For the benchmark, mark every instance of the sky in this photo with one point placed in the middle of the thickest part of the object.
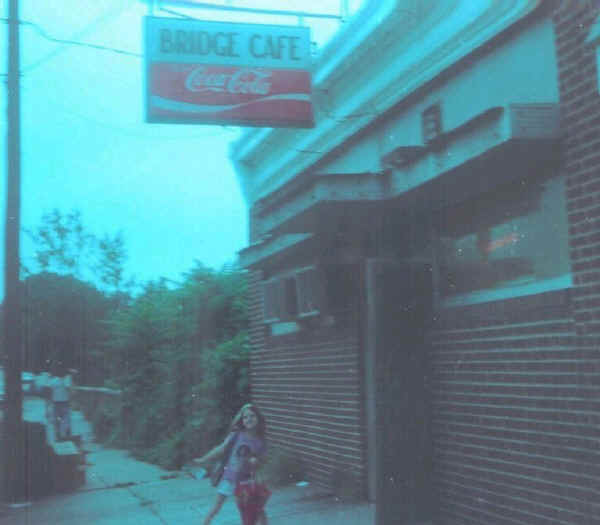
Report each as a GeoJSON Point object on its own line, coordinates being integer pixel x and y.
{"type": "Point", "coordinates": [170, 189]}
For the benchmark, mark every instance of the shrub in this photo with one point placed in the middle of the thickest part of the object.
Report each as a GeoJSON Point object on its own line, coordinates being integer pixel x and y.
{"type": "Point", "coordinates": [105, 423]}
{"type": "Point", "coordinates": [181, 358]}
{"type": "Point", "coordinates": [167, 453]}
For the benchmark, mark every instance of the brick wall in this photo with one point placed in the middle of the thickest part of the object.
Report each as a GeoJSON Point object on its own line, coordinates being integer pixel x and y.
{"type": "Point", "coordinates": [516, 407]}
{"type": "Point", "coordinates": [308, 384]}
{"type": "Point", "coordinates": [309, 387]}
{"type": "Point", "coordinates": [255, 311]}
{"type": "Point", "coordinates": [580, 110]}
{"type": "Point", "coordinates": [515, 433]}
{"type": "Point", "coordinates": [516, 384]}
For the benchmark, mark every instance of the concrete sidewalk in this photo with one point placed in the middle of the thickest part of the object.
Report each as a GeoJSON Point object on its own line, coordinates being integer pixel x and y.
{"type": "Point", "coordinates": [122, 490]}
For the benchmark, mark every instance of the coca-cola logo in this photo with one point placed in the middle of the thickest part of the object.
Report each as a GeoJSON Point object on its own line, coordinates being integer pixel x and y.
{"type": "Point", "coordinates": [243, 81]}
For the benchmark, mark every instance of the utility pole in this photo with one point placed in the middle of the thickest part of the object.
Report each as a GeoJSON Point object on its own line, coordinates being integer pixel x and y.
{"type": "Point", "coordinates": [14, 479]}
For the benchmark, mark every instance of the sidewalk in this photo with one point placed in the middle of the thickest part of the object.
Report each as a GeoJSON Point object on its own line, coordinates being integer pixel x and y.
{"type": "Point", "coordinates": [122, 490]}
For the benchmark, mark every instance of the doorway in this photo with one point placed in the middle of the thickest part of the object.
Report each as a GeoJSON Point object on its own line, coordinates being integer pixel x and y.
{"type": "Point", "coordinates": [399, 299]}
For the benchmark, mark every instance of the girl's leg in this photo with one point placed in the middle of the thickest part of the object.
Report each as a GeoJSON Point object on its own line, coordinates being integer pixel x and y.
{"type": "Point", "coordinates": [262, 519]}
{"type": "Point", "coordinates": [216, 508]}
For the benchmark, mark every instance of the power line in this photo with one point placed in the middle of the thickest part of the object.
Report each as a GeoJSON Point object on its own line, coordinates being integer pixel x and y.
{"type": "Point", "coordinates": [78, 43]}
{"type": "Point", "coordinates": [133, 134]}
{"type": "Point", "coordinates": [181, 15]}
{"type": "Point", "coordinates": [88, 29]}
{"type": "Point", "coordinates": [254, 10]}
{"type": "Point", "coordinates": [75, 42]}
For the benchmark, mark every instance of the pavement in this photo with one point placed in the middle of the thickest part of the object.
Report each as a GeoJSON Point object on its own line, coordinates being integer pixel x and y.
{"type": "Point", "coordinates": [122, 490]}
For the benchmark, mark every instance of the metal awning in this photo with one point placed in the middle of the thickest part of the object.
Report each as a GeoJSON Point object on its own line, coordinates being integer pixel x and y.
{"type": "Point", "coordinates": [490, 149]}
{"type": "Point", "coordinates": [275, 249]}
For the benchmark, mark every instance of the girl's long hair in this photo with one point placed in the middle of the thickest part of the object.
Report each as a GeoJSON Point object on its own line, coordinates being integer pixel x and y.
{"type": "Point", "coordinates": [238, 424]}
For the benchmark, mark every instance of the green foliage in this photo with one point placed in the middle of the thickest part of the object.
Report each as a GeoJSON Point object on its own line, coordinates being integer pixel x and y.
{"type": "Point", "coordinates": [283, 468]}
{"type": "Point", "coordinates": [61, 241]}
{"type": "Point", "coordinates": [63, 245]}
{"type": "Point", "coordinates": [111, 256]}
{"type": "Point", "coordinates": [62, 316]}
{"type": "Point", "coordinates": [63, 312]}
{"type": "Point", "coordinates": [178, 351]}
{"type": "Point", "coordinates": [180, 357]}
{"type": "Point", "coordinates": [104, 423]}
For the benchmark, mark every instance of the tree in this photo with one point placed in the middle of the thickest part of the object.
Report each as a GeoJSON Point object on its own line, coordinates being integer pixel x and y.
{"type": "Point", "coordinates": [111, 257]}
{"type": "Point", "coordinates": [64, 246]}
{"type": "Point", "coordinates": [180, 357]}
{"type": "Point", "coordinates": [74, 284]}
{"type": "Point", "coordinates": [63, 324]}
{"type": "Point", "coordinates": [61, 244]}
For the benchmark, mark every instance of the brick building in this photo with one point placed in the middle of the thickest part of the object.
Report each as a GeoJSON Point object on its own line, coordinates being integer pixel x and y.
{"type": "Point", "coordinates": [426, 263]}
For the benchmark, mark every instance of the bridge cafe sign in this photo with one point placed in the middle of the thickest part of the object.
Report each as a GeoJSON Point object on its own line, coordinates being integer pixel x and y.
{"type": "Point", "coordinates": [223, 73]}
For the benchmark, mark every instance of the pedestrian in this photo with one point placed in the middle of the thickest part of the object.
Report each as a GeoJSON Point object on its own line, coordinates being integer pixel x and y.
{"type": "Point", "coordinates": [40, 384]}
{"type": "Point", "coordinates": [61, 411]}
{"type": "Point", "coordinates": [246, 444]}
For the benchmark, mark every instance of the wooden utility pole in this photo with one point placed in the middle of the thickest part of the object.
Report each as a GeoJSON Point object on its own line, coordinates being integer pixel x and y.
{"type": "Point", "coordinates": [14, 480]}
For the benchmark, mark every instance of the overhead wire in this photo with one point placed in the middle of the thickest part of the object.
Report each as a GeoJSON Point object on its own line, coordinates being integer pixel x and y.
{"type": "Point", "coordinates": [106, 16]}
{"type": "Point", "coordinates": [78, 43]}
{"type": "Point", "coordinates": [133, 134]}
{"type": "Point", "coordinates": [326, 113]}
{"type": "Point", "coordinates": [63, 41]}
{"type": "Point", "coordinates": [91, 120]}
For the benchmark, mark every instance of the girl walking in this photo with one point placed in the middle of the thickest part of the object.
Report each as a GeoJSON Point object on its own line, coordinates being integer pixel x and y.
{"type": "Point", "coordinates": [246, 440]}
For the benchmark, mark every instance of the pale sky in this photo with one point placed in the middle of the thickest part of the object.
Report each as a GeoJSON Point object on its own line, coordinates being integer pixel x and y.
{"type": "Point", "coordinates": [170, 189]}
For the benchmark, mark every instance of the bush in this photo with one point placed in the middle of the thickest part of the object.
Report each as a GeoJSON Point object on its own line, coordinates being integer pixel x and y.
{"type": "Point", "coordinates": [104, 423]}
{"type": "Point", "coordinates": [167, 453]}
{"type": "Point", "coordinates": [181, 358]}
{"type": "Point", "coordinates": [283, 468]}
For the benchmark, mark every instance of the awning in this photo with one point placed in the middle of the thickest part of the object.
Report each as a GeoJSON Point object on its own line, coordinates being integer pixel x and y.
{"type": "Point", "coordinates": [493, 148]}
{"type": "Point", "coordinates": [274, 250]}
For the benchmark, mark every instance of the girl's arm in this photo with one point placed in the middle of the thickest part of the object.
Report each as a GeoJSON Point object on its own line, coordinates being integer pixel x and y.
{"type": "Point", "coordinates": [215, 453]}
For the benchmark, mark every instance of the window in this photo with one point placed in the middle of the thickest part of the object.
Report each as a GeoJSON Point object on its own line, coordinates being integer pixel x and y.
{"type": "Point", "coordinates": [290, 298]}
{"type": "Point", "coordinates": [515, 236]}
{"type": "Point", "coordinates": [309, 292]}
{"type": "Point", "coordinates": [303, 293]}
{"type": "Point", "coordinates": [271, 300]}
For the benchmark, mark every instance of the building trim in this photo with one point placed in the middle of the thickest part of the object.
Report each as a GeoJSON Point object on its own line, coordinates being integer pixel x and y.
{"type": "Point", "coordinates": [267, 159]}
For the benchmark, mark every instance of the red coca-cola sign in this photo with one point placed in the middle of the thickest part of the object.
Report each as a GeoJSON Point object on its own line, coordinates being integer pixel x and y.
{"type": "Point", "coordinates": [226, 94]}
{"type": "Point", "coordinates": [221, 73]}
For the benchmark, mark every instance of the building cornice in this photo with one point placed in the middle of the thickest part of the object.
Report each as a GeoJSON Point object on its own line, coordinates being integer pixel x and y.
{"type": "Point", "coordinates": [389, 50]}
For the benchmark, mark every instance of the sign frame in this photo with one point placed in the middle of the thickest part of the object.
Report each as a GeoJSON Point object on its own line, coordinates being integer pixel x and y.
{"type": "Point", "coordinates": [222, 73]}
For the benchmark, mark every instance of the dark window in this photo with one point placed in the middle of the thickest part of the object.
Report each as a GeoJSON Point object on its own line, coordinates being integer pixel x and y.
{"type": "Point", "coordinates": [290, 298]}
{"type": "Point", "coordinates": [309, 292]}
{"type": "Point", "coordinates": [512, 236]}
{"type": "Point", "coordinates": [271, 300]}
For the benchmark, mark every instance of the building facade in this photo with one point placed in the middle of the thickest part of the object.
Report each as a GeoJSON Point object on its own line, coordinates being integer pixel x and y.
{"type": "Point", "coordinates": [425, 264]}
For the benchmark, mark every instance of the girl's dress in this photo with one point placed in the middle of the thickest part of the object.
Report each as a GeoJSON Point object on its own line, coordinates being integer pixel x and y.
{"type": "Point", "coordinates": [238, 468]}
{"type": "Point", "coordinates": [250, 496]}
